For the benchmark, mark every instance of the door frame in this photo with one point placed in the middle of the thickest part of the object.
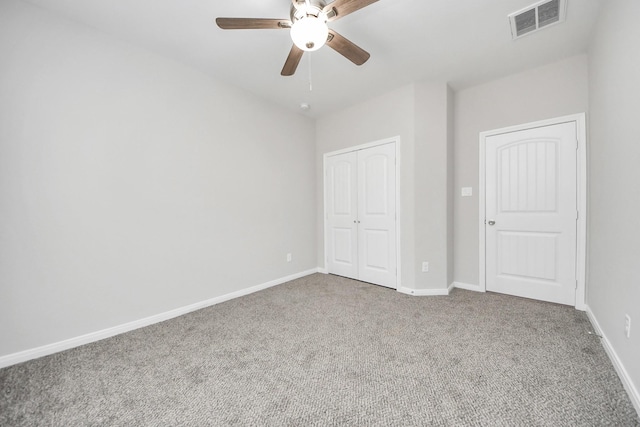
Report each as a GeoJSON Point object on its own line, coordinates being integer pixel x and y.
{"type": "Point", "coordinates": [396, 140]}
{"type": "Point", "coordinates": [581, 193]}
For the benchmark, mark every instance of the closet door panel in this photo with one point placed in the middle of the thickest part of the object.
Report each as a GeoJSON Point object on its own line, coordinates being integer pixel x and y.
{"type": "Point", "coordinates": [377, 215]}
{"type": "Point", "coordinates": [341, 210]}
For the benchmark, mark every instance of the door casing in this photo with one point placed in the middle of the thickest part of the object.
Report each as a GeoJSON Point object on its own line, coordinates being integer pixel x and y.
{"type": "Point", "coordinates": [581, 180]}
{"type": "Point", "coordinates": [395, 140]}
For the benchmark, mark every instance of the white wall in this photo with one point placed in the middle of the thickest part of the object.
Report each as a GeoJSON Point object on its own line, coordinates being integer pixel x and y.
{"type": "Point", "coordinates": [131, 185]}
{"type": "Point", "coordinates": [389, 115]}
{"type": "Point", "coordinates": [418, 114]}
{"type": "Point", "coordinates": [433, 146]}
{"type": "Point", "coordinates": [613, 280]}
{"type": "Point", "coordinates": [450, 182]}
{"type": "Point", "coordinates": [549, 91]}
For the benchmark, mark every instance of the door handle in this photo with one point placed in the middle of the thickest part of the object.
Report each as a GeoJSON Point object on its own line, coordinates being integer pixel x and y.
{"type": "Point", "coordinates": [491, 222]}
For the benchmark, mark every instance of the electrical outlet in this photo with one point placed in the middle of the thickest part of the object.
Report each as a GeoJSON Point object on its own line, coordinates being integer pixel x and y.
{"type": "Point", "coordinates": [627, 325]}
{"type": "Point", "coordinates": [425, 266]}
{"type": "Point", "coordinates": [288, 257]}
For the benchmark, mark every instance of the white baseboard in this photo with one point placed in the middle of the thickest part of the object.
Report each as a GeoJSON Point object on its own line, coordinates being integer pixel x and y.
{"type": "Point", "coordinates": [45, 350]}
{"type": "Point", "coordinates": [631, 389]}
{"type": "Point", "coordinates": [468, 287]}
{"type": "Point", "coordinates": [424, 292]}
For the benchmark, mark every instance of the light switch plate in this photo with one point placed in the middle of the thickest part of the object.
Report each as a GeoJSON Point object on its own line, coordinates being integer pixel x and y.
{"type": "Point", "coordinates": [467, 191]}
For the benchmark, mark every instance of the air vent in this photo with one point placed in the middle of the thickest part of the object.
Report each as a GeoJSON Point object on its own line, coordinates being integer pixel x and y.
{"type": "Point", "coordinates": [537, 16]}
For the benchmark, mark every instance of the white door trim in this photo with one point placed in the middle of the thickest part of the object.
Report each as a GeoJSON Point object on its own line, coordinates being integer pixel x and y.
{"type": "Point", "coordinates": [395, 140]}
{"type": "Point", "coordinates": [581, 235]}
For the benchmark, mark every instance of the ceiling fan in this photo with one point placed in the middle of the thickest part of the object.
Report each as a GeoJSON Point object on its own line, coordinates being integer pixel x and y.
{"type": "Point", "coordinates": [309, 29]}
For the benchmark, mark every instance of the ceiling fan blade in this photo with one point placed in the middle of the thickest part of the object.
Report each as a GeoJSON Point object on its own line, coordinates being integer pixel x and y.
{"type": "Point", "coordinates": [292, 61]}
{"type": "Point", "coordinates": [341, 8]}
{"type": "Point", "coordinates": [347, 49]}
{"type": "Point", "coordinates": [252, 24]}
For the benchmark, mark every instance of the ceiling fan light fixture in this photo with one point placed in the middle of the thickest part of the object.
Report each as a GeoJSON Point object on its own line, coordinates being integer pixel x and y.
{"type": "Point", "coordinates": [309, 33]}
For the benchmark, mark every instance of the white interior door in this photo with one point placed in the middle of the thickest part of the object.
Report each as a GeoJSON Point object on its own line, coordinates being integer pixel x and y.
{"type": "Point", "coordinates": [531, 213]}
{"type": "Point", "coordinates": [377, 215]}
{"type": "Point", "coordinates": [342, 214]}
{"type": "Point", "coordinates": [361, 215]}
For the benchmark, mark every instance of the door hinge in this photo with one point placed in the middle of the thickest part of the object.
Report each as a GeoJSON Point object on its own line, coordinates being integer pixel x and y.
{"type": "Point", "coordinates": [577, 144]}
{"type": "Point", "coordinates": [577, 215]}
{"type": "Point", "coordinates": [576, 284]}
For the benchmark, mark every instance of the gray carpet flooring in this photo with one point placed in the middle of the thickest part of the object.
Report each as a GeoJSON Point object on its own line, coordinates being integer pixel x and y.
{"type": "Point", "coordinates": [328, 351]}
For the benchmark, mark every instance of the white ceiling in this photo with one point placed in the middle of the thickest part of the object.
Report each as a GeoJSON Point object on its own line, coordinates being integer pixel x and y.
{"type": "Point", "coordinates": [463, 42]}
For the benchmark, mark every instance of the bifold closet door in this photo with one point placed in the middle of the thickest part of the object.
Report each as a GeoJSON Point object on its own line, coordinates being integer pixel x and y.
{"type": "Point", "coordinates": [361, 215]}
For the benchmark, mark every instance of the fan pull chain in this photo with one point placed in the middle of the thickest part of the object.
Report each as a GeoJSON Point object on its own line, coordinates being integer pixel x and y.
{"type": "Point", "coordinates": [310, 79]}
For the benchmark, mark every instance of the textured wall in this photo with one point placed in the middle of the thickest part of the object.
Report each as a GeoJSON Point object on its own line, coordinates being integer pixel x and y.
{"type": "Point", "coordinates": [389, 115]}
{"type": "Point", "coordinates": [549, 91]}
{"type": "Point", "coordinates": [131, 185]}
{"type": "Point", "coordinates": [431, 157]}
{"type": "Point", "coordinates": [613, 277]}
{"type": "Point", "coordinates": [418, 113]}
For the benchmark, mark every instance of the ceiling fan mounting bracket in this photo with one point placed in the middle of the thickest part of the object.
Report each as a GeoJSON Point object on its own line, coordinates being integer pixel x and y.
{"type": "Point", "coordinates": [300, 9]}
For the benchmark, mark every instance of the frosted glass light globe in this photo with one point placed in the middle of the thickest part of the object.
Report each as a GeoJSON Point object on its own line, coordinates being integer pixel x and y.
{"type": "Point", "coordinates": [309, 33]}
